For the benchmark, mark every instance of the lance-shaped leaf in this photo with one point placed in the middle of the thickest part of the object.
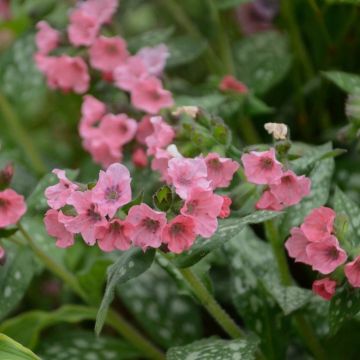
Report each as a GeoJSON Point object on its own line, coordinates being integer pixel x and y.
{"type": "Point", "coordinates": [12, 350]}
{"type": "Point", "coordinates": [345, 81]}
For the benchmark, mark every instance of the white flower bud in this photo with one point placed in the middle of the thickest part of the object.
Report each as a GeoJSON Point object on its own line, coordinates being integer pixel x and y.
{"type": "Point", "coordinates": [192, 111]}
{"type": "Point", "coordinates": [278, 131]}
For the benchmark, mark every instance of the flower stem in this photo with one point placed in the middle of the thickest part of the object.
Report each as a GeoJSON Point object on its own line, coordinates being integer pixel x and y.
{"type": "Point", "coordinates": [21, 136]}
{"type": "Point", "coordinates": [303, 326]}
{"type": "Point", "coordinates": [114, 319]}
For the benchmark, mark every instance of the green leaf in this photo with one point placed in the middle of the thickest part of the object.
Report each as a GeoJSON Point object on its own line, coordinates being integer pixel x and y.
{"type": "Point", "coordinates": [163, 198]}
{"type": "Point", "coordinates": [5, 233]}
{"type": "Point", "coordinates": [343, 306]}
{"type": "Point", "coordinates": [227, 229]}
{"type": "Point", "coordinates": [206, 349]}
{"type": "Point", "coordinates": [351, 2]}
{"type": "Point", "coordinates": [84, 345]}
{"type": "Point", "coordinates": [345, 81]}
{"type": "Point", "coordinates": [254, 106]}
{"type": "Point", "coordinates": [11, 350]}
{"type": "Point", "coordinates": [208, 102]}
{"type": "Point", "coordinates": [15, 277]}
{"type": "Point", "coordinates": [169, 318]}
{"type": "Point", "coordinates": [184, 50]}
{"type": "Point", "coordinates": [129, 265]}
{"type": "Point", "coordinates": [262, 60]}
{"type": "Point", "coordinates": [227, 4]}
{"type": "Point", "coordinates": [344, 204]}
{"type": "Point", "coordinates": [320, 176]}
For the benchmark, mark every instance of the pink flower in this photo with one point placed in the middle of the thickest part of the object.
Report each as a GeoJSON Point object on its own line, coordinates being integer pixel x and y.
{"type": "Point", "coordinates": [230, 83]}
{"type": "Point", "coordinates": [291, 188]}
{"type": "Point", "coordinates": [83, 28]}
{"type": "Point", "coordinates": [103, 153]}
{"type": "Point", "coordinates": [225, 208]}
{"type": "Point", "coordinates": [319, 223]}
{"type": "Point", "coordinates": [117, 130]}
{"type": "Point", "coordinates": [12, 207]}
{"type": "Point", "coordinates": [145, 128]}
{"type": "Point", "coordinates": [268, 201]}
{"type": "Point", "coordinates": [296, 246]}
{"type": "Point", "coordinates": [185, 174]}
{"type": "Point", "coordinates": [325, 256]}
{"type": "Point", "coordinates": [147, 226]}
{"type": "Point", "coordinates": [112, 189]}
{"type": "Point", "coordinates": [203, 206]}
{"type": "Point", "coordinates": [325, 288]}
{"type": "Point", "coordinates": [139, 158]}
{"type": "Point", "coordinates": [102, 10]}
{"type": "Point", "coordinates": [47, 38]}
{"type": "Point", "coordinates": [65, 72]}
{"type": "Point", "coordinates": [92, 111]}
{"type": "Point", "coordinates": [160, 163]}
{"type": "Point", "coordinates": [112, 236]}
{"type": "Point", "coordinates": [58, 194]}
{"type": "Point", "coordinates": [55, 228]}
{"type": "Point", "coordinates": [154, 58]}
{"type": "Point", "coordinates": [128, 74]}
{"type": "Point", "coordinates": [106, 53]}
{"type": "Point", "coordinates": [88, 216]}
{"type": "Point", "coordinates": [220, 170]}
{"type": "Point", "coordinates": [179, 234]}
{"type": "Point", "coordinates": [262, 167]}
{"type": "Point", "coordinates": [352, 272]}
{"type": "Point", "coordinates": [161, 137]}
{"type": "Point", "coordinates": [149, 95]}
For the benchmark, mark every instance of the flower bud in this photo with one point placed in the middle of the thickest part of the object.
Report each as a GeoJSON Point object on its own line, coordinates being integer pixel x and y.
{"type": "Point", "coordinates": [278, 130]}
{"type": "Point", "coordinates": [191, 111]}
{"type": "Point", "coordinates": [6, 175]}
{"type": "Point", "coordinates": [2, 256]}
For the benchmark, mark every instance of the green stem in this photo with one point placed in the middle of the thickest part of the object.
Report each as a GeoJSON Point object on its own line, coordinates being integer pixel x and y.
{"type": "Point", "coordinates": [211, 305]}
{"type": "Point", "coordinates": [21, 136]}
{"type": "Point", "coordinates": [304, 328]}
{"type": "Point", "coordinates": [114, 319]}
{"type": "Point", "coordinates": [249, 132]}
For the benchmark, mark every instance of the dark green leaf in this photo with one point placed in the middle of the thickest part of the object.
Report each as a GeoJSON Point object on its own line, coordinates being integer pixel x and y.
{"type": "Point", "coordinates": [345, 81]}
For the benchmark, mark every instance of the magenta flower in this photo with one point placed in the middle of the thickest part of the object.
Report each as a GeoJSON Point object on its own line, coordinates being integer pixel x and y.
{"type": "Point", "coordinates": [58, 194]}
{"type": "Point", "coordinates": [319, 223]}
{"type": "Point", "coordinates": [154, 58]}
{"type": "Point", "coordinates": [88, 216]}
{"type": "Point", "coordinates": [106, 53]}
{"type": "Point", "coordinates": [112, 236]}
{"type": "Point", "coordinates": [220, 171]}
{"type": "Point", "coordinates": [325, 288]}
{"type": "Point", "coordinates": [47, 38]}
{"type": "Point", "coordinates": [112, 189]}
{"type": "Point", "coordinates": [12, 207]}
{"type": "Point", "coordinates": [55, 228]}
{"type": "Point", "coordinates": [326, 255]}
{"type": "Point", "coordinates": [185, 174]}
{"type": "Point", "coordinates": [146, 226]}
{"type": "Point", "coordinates": [225, 208]}
{"type": "Point", "coordinates": [161, 137]}
{"type": "Point", "coordinates": [262, 167]}
{"type": "Point", "coordinates": [230, 83]}
{"type": "Point", "coordinates": [179, 234]}
{"type": "Point", "coordinates": [203, 206]}
{"type": "Point", "coordinates": [268, 201]}
{"type": "Point", "coordinates": [296, 246]}
{"type": "Point", "coordinates": [352, 272]}
{"type": "Point", "coordinates": [291, 188]}
{"type": "Point", "coordinates": [149, 95]}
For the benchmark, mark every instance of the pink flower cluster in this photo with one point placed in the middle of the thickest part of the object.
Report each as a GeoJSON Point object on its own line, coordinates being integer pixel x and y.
{"type": "Point", "coordinates": [94, 212]}
{"type": "Point", "coordinates": [284, 187]}
{"type": "Point", "coordinates": [138, 74]}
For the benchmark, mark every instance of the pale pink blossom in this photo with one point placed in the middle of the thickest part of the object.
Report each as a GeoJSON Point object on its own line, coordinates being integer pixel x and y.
{"type": "Point", "coordinates": [268, 201]}
{"type": "Point", "coordinates": [220, 171]}
{"type": "Point", "coordinates": [179, 234]}
{"type": "Point", "coordinates": [326, 255]}
{"type": "Point", "coordinates": [325, 288]}
{"type": "Point", "coordinates": [230, 83]}
{"type": "Point", "coordinates": [203, 206]}
{"type": "Point", "coordinates": [291, 189]}
{"type": "Point", "coordinates": [161, 137]}
{"type": "Point", "coordinates": [12, 207]}
{"type": "Point", "coordinates": [128, 74]}
{"type": "Point", "coordinates": [154, 58]}
{"type": "Point", "coordinates": [145, 128]}
{"type": "Point", "coordinates": [352, 272]}
{"type": "Point", "coordinates": [186, 173]}
{"type": "Point", "coordinates": [58, 194]}
{"type": "Point", "coordinates": [296, 246]}
{"type": "Point", "coordinates": [262, 167]}
{"type": "Point", "coordinates": [160, 163]}
{"type": "Point", "coordinates": [149, 95]}
{"type": "Point", "coordinates": [106, 53]}
{"type": "Point", "coordinates": [319, 223]}
{"type": "Point", "coordinates": [88, 216]}
{"type": "Point", "coordinates": [102, 10]}
{"type": "Point", "coordinates": [55, 228]}
{"type": "Point", "coordinates": [113, 236]}
{"type": "Point", "coordinates": [112, 189]}
{"type": "Point", "coordinates": [139, 158]}
{"type": "Point", "coordinates": [146, 226]}
{"type": "Point", "coordinates": [92, 111]}
{"type": "Point", "coordinates": [102, 153]}
{"type": "Point", "coordinates": [47, 38]}
{"type": "Point", "coordinates": [225, 208]}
